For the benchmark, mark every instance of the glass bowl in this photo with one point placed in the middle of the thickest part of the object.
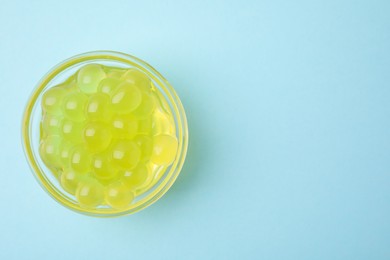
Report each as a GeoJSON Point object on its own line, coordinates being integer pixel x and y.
{"type": "Point", "coordinates": [33, 115]}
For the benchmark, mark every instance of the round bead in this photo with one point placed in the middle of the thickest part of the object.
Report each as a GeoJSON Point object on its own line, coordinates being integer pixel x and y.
{"type": "Point", "coordinates": [162, 124]}
{"type": "Point", "coordinates": [145, 143]}
{"type": "Point", "coordinates": [125, 98]}
{"type": "Point", "coordinates": [135, 178]}
{"type": "Point", "coordinates": [98, 107]}
{"type": "Point", "coordinates": [69, 181]}
{"type": "Point", "coordinates": [102, 167]}
{"type": "Point", "coordinates": [49, 150]}
{"type": "Point", "coordinates": [97, 136]}
{"type": "Point", "coordinates": [126, 154]}
{"type": "Point", "coordinates": [146, 108]}
{"type": "Point", "coordinates": [145, 126]}
{"type": "Point", "coordinates": [72, 131]}
{"type": "Point", "coordinates": [108, 85]}
{"type": "Point", "coordinates": [164, 149]}
{"type": "Point", "coordinates": [90, 193]}
{"type": "Point", "coordinates": [74, 105]}
{"type": "Point", "coordinates": [138, 78]}
{"type": "Point", "coordinates": [124, 126]}
{"type": "Point", "coordinates": [115, 73]}
{"type": "Point", "coordinates": [80, 160]}
{"type": "Point", "coordinates": [52, 100]}
{"type": "Point", "coordinates": [51, 124]}
{"type": "Point", "coordinates": [118, 196]}
{"type": "Point", "coordinates": [89, 77]}
{"type": "Point", "coordinates": [64, 153]}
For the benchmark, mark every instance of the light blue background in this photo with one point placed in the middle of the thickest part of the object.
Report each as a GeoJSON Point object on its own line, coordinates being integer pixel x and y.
{"type": "Point", "coordinates": [289, 118]}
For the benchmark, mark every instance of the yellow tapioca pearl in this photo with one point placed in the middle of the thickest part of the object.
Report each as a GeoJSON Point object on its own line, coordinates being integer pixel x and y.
{"type": "Point", "coordinates": [51, 124]}
{"type": "Point", "coordinates": [138, 78]}
{"type": "Point", "coordinates": [90, 193]}
{"type": "Point", "coordinates": [70, 180]}
{"type": "Point", "coordinates": [97, 136]}
{"type": "Point", "coordinates": [52, 100]}
{"type": "Point", "coordinates": [74, 106]}
{"type": "Point", "coordinates": [102, 167]}
{"type": "Point", "coordinates": [126, 154]}
{"type": "Point", "coordinates": [125, 98]}
{"type": "Point", "coordinates": [64, 153]}
{"type": "Point", "coordinates": [72, 131]}
{"type": "Point", "coordinates": [135, 178]}
{"type": "Point", "coordinates": [49, 150]}
{"type": "Point", "coordinates": [124, 126]}
{"type": "Point", "coordinates": [115, 73]}
{"type": "Point", "coordinates": [80, 160]}
{"type": "Point", "coordinates": [145, 143]}
{"type": "Point", "coordinates": [147, 106]}
{"type": "Point", "coordinates": [89, 77]}
{"type": "Point", "coordinates": [118, 195]}
{"type": "Point", "coordinates": [108, 85]}
{"type": "Point", "coordinates": [164, 149]}
{"type": "Point", "coordinates": [162, 123]}
{"type": "Point", "coordinates": [98, 107]}
{"type": "Point", "coordinates": [145, 126]}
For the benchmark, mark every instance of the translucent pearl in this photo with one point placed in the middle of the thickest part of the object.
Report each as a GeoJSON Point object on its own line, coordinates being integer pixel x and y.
{"type": "Point", "coordinates": [164, 149]}
{"type": "Point", "coordinates": [80, 160]}
{"type": "Point", "coordinates": [145, 126]}
{"type": "Point", "coordinates": [119, 196]}
{"type": "Point", "coordinates": [74, 106]}
{"type": "Point", "coordinates": [72, 131]}
{"type": "Point", "coordinates": [70, 180]}
{"type": "Point", "coordinates": [115, 73]}
{"type": "Point", "coordinates": [162, 124]}
{"type": "Point", "coordinates": [103, 168]}
{"type": "Point", "coordinates": [89, 77]}
{"type": "Point", "coordinates": [64, 153]}
{"type": "Point", "coordinates": [108, 85]}
{"type": "Point", "coordinates": [49, 150]}
{"type": "Point", "coordinates": [124, 126]}
{"type": "Point", "coordinates": [90, 193]}
{"type": "Point", "coordinates": [145, 143]}
{"type": "Point", "coordinates": [138, 78]}
{"type": "Point", "coordinates": [125, 98]}
{"type": "Point", "coordinates": [97, 136]}
{"type": "Point", "coordinates": [146, 108]}
{"type": "Point", "coordinates": [52, 100]}
{"type": "Point", "coordinates": [98, 108]}
{"type": "Point", "coordinates": [135, 178]}
{"type": "Point", "coordinates": [51, 124]}
{"type": "Point", "coordinates": [126, 154]}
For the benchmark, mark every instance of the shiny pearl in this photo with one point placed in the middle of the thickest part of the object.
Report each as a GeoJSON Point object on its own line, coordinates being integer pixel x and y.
{"type": "Point", "coordinates": [98, 108]}
{"type": "Point", "coordinates": [97, 136]}
{"type": "Point", "coordinates": [164, 149]}
{"type": "Point", "coordinates": [135, 178]}
{"type": "Point", "coordinates": [52, 100]}
{"type": "Point", "coordinates": [119, 196]}
{"type": "Point", "coordinates": [108, 85]}
{"type": "Point", "coordinates": [90, 193]}
{"type": "Point", "coordinates": [80, 160]}
{"type": "Point", "coordinates": [89, 77]}
{"type": "Point", "coordinates": [74, 106]}
{"type": "Point", "coordinates": [126, 154]}
{"type": "Point", "coordinates": [126, 98]}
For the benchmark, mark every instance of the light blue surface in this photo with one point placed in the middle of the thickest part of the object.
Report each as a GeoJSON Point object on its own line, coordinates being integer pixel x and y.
{"type": "Point", "coordinates": [289, 118]}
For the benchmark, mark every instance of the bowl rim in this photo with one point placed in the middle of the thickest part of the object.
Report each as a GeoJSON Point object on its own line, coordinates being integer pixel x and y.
{"type": "Point", "coordinates": [177, 111]}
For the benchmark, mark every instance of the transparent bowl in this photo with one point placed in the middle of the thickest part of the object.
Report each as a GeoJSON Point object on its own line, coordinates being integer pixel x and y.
{"type": "Point", "coordinates": [33, 115]}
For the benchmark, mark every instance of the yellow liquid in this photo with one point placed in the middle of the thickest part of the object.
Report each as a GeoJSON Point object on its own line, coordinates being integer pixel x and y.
{"type": "Point", "coordinates": [107, 134]}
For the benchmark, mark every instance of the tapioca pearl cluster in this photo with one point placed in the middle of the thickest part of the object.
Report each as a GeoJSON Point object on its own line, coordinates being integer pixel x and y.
{"type": "Point", "coordinates": [102, 130]}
